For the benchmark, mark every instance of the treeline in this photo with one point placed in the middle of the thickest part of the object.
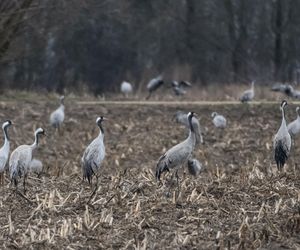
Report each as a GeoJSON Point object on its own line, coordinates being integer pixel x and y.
{"type": "Point", "coordinates": [94, 45]}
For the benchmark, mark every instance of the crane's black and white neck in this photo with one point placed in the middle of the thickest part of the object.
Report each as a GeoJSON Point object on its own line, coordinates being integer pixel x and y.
{"type": "Point", "coordinates": [5, 126]}
{"type": "Point", "coordinates": [99, 121]}
{"type": "Point", "coordinates": [190, 116]}
{"type": "Point", "coordinates": [62, 100]}
{"type": "Point", "coordinates": [37, 134]}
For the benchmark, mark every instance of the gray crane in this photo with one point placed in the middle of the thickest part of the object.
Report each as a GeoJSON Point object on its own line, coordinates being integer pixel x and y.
{"type": "Point", "coordinates": [20, 158]}
{"type": "Point", "coordinates": [57, 117]}
{"type": "Point", "coordinates": [94, 154]}
{"type": "Point", "coordinates": [282, 141]}
{"type": "Point", "coordinates": [36, 166]}
{"type": "Point", "coordinates": [153, 85]}
{"type": "Point", "coordinates": [179, 88]}
{"type": "Point", "coordinates": [126, 88]}
{"type": "Point", "coordinates": [4, 150]}
{"type": "Point", "coordinates": [294, 126]}
{"type": "Point", "coordinates": [179, 154]}
{"type": "Point", "coordinates": [182, 118]}
{"type": "Point", "coordinates": [286, 89]}
{"type": "Point", "coordinates": [219, 120]}
{"type": "Point", "coordinates": [248, 95]}
{"type": "Point", "coordinates": [194, 166]}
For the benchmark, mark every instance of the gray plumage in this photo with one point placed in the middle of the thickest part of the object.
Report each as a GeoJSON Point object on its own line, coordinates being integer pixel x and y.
{"type": "Point", "coordinates": [126, 88]}
{"type": "Point", "coordinates": [179, 91]}
{"type": "Point", "coordinates": [219, 120]}
{"type": "Point", "coordinates": [179, 154]}
{"type": "Point", "coordinates": [296, 94]}
{"type": "Point", "coordinates": [20, 158]}
{"type": "Point", "coordinates": [279, 87]}
{"type": "Point", "coordinates": [4, 151]}
{"type": "Point", "coordinates": [294, 126]}
{"type": "Point", "coordinates": [182, 118]}
{"type": "Point", "coordinates": [57, 117]}
{"type": "Point", "coordinates": [194, 167]}
{"type": "Point", "coordinates": [179, 88]}
{"type": "Point", "coordinates": [282, 141]}
{"type": "Point", "coordinates": [36, 166]}
{"type": "Point", "coordinates": [286, 89]}
{"type": "Point", "coordinates": [94, 154]}
{"type": "Point", "coordinates": [248, 95]}
{"type": "Point", "coordinates": [153, 85]}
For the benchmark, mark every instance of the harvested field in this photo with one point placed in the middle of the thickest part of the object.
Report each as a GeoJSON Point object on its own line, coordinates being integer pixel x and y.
{"type": "Point", "coordinates": [238, 202]}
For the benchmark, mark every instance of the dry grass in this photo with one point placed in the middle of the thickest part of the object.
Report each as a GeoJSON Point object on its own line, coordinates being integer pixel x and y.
{"type": "Point", "coordinates": [238, 202]}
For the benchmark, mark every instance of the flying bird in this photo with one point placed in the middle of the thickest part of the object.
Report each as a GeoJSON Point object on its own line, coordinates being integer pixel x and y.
{"type": "Point", "coordinates": [179, 88]}
{"type": "Point", "coordinates": [153, 85]}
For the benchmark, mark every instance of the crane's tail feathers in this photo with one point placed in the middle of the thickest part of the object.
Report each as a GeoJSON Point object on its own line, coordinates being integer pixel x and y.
{"type": "Point", "coordinates": [88, 171]}
{"type": "Point", "coordinates": [14, 178]}
{"type": "Point", "coordinates": [199, 138]}
{"type": "Point", "coordinates": [160, 168]}
{"type": "Point", "coordinates": [281, 155]}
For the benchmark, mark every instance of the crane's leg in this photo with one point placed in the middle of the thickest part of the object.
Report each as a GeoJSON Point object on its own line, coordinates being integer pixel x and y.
{"type": "Point", "coordinates": [149, 95]}
{"type": "Point", "coordinates": [97, 182]}
{"type": "Point", "coordinates": [2, 179]}
{"type": "Point", "coordinates": [95, 190]}
{"type": "Point", "coordinates": [24, 183]}
{"type": "Point", "coordinates": [60, 131]}
{"type": "Point", "coordinates": [177, 179]}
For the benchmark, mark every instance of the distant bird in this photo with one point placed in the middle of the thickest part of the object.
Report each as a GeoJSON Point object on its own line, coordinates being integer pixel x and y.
{"type": "Point", "coordinates": [294, 126]}
{"type": "Point", "coordinates": [94, 154]}
{"type": "Point", "coordinates": [126, 88]}
{"type": "Point", "coordinates": [218, 120]}
{"type": "Point", "coordinates": [4, 150]}
{"type": "Point", "coordinates": [296, 94]}
{"type": "Point", "coordinates": [179, 154]}
{"type": "Point", "coordinates": [36, 166]}
{"type": "Point", "coordinates": [194, 166]}
{"type": "Point", "coordinates": [20, 158]}
{"type": "Point", "coordinates": [179, 88]}
{"type": "Point", "coordinates": [279, 87]}
{"type": "Point", "coordinates": [282, 141]}
{"type": "Point", "coordinates": [57, 117]}
{"type": "Point", "coordinates": [182, 118]}
{"type": "Point", "coordinates": [286, 89]}
{"type": "Point", "coordinates": [248, 95]}
{"type": "Point", "coordinates": [153, 85]}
